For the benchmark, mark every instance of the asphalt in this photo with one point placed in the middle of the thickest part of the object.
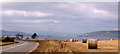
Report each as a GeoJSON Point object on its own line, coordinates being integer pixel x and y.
{"type": "Point", "coordinates": [21, 47]}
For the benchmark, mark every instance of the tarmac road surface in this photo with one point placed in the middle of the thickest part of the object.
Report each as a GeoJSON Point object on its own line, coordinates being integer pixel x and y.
{"type": "Point", "coordinates": [21, 47]}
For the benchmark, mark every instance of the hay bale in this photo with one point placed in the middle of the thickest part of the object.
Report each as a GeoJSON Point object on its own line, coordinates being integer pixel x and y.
{"type": "Point", "coordinates": [65, 40]}
{"type": "Point", "coordinates": [77, 40]}
{"type": "Point", "coordinates": [112, 39]}
{"type": "Point", "coordinates": [71, 40]}
{"type": "Point", "coordinates": [74, 40]}
{"type": "Point", "coordinates": [92, 43]}
{"type": "Point", "coordinates": [84, 40]}
{"type": "Point", "coordinates": [97, 39]}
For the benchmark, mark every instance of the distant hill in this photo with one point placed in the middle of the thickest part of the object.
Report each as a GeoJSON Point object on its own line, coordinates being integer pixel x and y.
{"type": "Point", "coordinates": [41, 33]}
{"type": "Point", "coordinates": [12, 33]}
{"type": "Point", "coordinates": [101, 33]}
{"type": "Point", "coordinates": [49, 34]}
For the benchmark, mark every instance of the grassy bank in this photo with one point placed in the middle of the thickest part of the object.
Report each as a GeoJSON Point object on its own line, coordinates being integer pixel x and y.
{"type": "Point", "coordinates": [51, 46]}
{"type": "Point", "coordinates": [6, 43]}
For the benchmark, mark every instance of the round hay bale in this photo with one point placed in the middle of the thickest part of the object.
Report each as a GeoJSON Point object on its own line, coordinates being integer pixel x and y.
{"type": "Point", "coordinates": [112, 39]}
{"type": "Point", "coordinates": [84, 40]}
{"type": "Point", "coordinates": [92, 43]}
{"type": "Point", "coordinates": [97, 39]}
{"type": "Point", "coordinates": [71, 40]}
{"type": "Point", "coordinates": [65, 40]}
{"type": "Point", "coordinates": [74, 40]}
{"type": "Point", "coordinates": [77, 40]}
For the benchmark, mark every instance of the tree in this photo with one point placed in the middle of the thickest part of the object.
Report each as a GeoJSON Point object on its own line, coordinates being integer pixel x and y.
{"type": "Point", "coordinates": [21, 36]}
{"type": "Point", "coordinates": [34, 36]}
{"type": "Point", "coordinates": [17, 36]}
{"type": "Point", "coordinates": [7, 39]}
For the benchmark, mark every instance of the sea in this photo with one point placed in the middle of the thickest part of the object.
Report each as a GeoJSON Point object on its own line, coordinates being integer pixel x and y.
{"type": "Point", "coordinates": [69, 37]}
{"type": "Point", "coordinates": [77, 38]}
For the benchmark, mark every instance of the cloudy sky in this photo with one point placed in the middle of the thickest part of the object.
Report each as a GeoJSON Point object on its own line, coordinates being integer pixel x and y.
{"type": "Point", "coordinates": [69, 17]}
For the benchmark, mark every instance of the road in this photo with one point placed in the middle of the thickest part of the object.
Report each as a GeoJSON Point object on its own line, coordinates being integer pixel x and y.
{"type": "Point", "coordinates": [22, 46]}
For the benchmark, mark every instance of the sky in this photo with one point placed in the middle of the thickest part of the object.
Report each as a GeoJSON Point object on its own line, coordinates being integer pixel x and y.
{"type": "Point", "coordinates": [67, 17]}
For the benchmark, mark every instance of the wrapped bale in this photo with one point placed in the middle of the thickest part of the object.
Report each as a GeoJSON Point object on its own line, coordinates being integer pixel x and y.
{"type": "Point", "coordinates": [71, 40]}
{"type": "Point", "coordinates": [92, 43]}
{"type": "Point", "coordinates": [84, 40]}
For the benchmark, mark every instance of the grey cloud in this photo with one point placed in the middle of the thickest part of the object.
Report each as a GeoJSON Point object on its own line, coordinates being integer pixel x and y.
{"type": "Point", "coordinates": [72, 17]}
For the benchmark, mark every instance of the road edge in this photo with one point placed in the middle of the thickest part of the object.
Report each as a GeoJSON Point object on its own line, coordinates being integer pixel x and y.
{"type": "Point", "coordinates": [34, 48]}
{"type": "Point", "coordinates": [9, 44]}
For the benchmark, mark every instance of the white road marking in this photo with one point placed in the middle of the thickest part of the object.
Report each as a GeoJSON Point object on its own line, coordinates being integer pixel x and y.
{"type": "Point", "coordinates": [34, 47]}
{"type": "Point", "coordinates": [11, 47]}
{"type": "Point", "coordinates": [8, 46]}
{"type": "Point", "coordinates": [14, 46]}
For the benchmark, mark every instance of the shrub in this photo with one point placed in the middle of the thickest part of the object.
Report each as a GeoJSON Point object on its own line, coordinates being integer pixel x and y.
{"type": "Point", "coordinates": [8, 39]}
